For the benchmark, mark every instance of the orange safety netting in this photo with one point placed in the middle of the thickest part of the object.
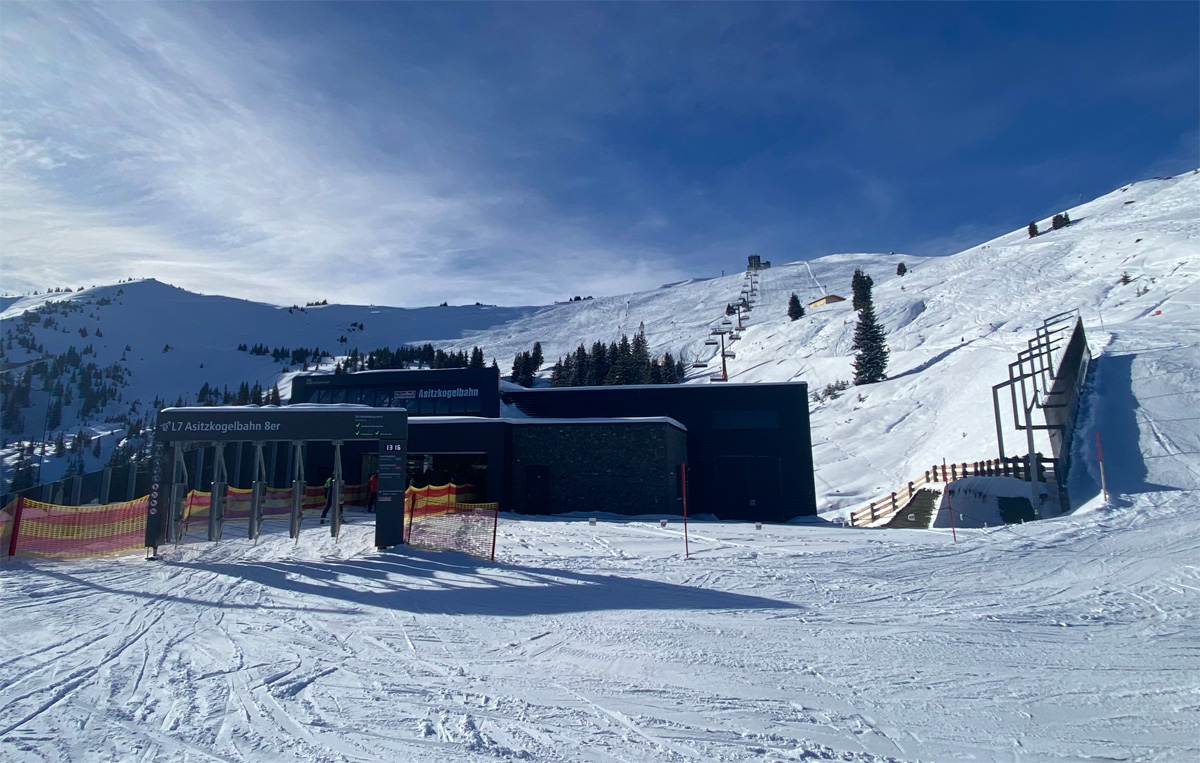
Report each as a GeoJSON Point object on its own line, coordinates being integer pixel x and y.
{"type": "Point", "coordinates": [49, 531]}
{"type": "Point", "coordinates": [437, 520]}
{"type": "Point", "coordinates": [276, 501]}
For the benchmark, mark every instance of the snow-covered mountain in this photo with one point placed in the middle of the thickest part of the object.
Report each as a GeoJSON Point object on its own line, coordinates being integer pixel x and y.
{"type": "Point", "coordinates": [953, 324]}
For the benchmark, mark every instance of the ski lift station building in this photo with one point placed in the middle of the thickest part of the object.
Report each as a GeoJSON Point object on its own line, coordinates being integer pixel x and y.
{"type": "Point", "coordinates": [828, 299]}
{"type": "Point", "coordinates": [747, 447]}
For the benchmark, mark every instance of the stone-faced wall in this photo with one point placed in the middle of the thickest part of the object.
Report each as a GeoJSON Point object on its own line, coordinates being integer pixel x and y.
{"type": "Point", "coordinates": [619, 467]}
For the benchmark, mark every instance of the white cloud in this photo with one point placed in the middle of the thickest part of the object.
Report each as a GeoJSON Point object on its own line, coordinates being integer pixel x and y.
{"type": "Point", "coordinates": [148, 141]}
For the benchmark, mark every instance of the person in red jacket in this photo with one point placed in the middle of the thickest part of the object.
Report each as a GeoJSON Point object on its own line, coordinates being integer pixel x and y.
{"type": "Point", "coordinates": [372, 492]}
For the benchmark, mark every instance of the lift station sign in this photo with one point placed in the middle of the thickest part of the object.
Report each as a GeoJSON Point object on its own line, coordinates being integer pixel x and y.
{"type": "Point", "coordinates": [225, 424]}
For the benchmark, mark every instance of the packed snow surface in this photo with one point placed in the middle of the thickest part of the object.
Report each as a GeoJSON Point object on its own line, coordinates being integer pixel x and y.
{"type": "Point", "coordinates": [1071, 639]}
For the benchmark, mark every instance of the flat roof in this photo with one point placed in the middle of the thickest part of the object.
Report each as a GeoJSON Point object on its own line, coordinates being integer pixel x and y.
{"type": "Point", "coordinates": [723, 385]}
{"type": "Point", "coordinates": [422, 420]}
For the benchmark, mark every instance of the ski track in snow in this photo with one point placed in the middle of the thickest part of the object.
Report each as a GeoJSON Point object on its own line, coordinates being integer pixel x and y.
{"type": "Point", "coordinates": [1067, 639]}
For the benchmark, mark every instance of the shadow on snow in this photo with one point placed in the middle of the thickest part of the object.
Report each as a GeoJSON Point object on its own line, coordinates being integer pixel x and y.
{"type": "Point", "coordinates": [452, 584]}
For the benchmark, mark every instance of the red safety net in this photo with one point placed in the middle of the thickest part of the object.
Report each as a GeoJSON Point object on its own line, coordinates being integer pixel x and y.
{"type": "Point", "coordinates": [438, 519]}
{"type": "Point", "coordinates": [33, 529]}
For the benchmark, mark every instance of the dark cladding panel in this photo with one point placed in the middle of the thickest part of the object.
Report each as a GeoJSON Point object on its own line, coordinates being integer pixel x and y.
{"type": "Point", "coordinates": [730, 429]}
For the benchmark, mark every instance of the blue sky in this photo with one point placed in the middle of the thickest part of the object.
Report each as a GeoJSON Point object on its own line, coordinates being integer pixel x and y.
{"type": "Point", "coordinates": [521, 153]}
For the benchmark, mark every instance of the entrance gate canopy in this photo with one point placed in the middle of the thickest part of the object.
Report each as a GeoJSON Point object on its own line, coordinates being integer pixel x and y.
{"type": "Point", "coordinates": [292, 423]}
{"type": "Point", "coordinates": [297, 424]}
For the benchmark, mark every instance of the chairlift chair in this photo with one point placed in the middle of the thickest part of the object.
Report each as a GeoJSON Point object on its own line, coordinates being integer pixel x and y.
{"type": "Point", "coordinates": [728, 354]}
{"type": "Point", "coordinates": [711, 342]}
{"type": "Point", "coordinates": [699, 364]}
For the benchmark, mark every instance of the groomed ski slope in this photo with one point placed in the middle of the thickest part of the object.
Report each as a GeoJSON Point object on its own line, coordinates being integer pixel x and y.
{"type": "Point", "coordinates": [1066, 640]}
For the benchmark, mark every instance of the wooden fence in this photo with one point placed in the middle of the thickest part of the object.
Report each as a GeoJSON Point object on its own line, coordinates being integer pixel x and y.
{"type": "Point", "coordinates": [883, 509]}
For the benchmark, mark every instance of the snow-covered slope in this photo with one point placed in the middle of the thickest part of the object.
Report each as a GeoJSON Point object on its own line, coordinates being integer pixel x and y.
{"type": "Point", "coordinates": [953, 324]}
{"type": "Point", "coordinates": [178, 340]}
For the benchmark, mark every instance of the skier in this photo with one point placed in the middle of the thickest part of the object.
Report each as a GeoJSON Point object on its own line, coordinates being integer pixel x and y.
{"type": "Point", "coordinates": [372, 492]}
{"type": "Point", "coordinates": [328, 498]}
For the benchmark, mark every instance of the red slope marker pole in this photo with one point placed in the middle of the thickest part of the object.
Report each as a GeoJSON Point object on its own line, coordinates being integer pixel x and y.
{"type": "Point", "coordinates": [16, 528]}
{"type": "Point", "coordinates": [686, 550]}
{"type": "Point", "coordinates": [950, 509]}
{"type": "Point", "coordinates": [1100, 453]}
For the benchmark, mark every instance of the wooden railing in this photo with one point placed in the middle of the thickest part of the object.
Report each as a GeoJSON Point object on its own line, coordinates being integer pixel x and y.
{"type": "Point", "coordinates": [883, 509]}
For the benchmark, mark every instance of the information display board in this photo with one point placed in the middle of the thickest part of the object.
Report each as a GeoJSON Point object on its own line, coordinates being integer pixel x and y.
{"type": "Point", "coordinates": [393, 480]}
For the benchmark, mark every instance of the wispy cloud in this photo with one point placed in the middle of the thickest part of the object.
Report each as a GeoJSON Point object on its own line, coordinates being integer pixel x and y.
{"type": "Point", "coordinates": [151, 141]}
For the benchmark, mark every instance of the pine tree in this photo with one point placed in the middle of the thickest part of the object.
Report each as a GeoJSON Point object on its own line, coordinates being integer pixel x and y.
{"type": "Point", "coordinates": [598, 370]}
{"type": "Point", "coordinates": [639, 359]}
{"type": "Point", "coordinates": [861, 285]}
{"type": "Point", "coordinates": [476, 357]}
{"type": "Point", "coordinates": [1033, 230]}
{"type": "Point", "coordinates": [669, 369]}
{"type": "Point", "coordinates": [581, 368]}
{"type": "Point", "coordinates": [537, 357]}
{"type": "Point", "coordinates": [795, 309]}
{"type": "Point", "coordinates": [901, 269]}
{"type": "Point", "coordinates": [870, 360]}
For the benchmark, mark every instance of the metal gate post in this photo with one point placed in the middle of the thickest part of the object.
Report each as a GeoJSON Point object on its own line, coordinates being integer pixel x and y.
{"type": "Point", "coordinates": [179, 490]}
{"type": "Point", "coordinates": [256, 492]}
{"type": "Point", "coordinates": [216, 496]}
{"type": "Point", "coordinates": [299, 489]}
{"type": "Point", "coordinates": [1032, 463]}
{"type": "Point", "coordinates": [335, 526]}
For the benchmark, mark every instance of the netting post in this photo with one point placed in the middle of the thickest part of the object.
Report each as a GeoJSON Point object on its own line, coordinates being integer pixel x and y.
{"type": "Point", "coordinates": [411, 505]}
{"type": "Point", "coordinates": [495, 527]}
{"type": "Point", "coordinates": [686, 550]}
{"type": "Point", "coordinates": [16, 527]}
